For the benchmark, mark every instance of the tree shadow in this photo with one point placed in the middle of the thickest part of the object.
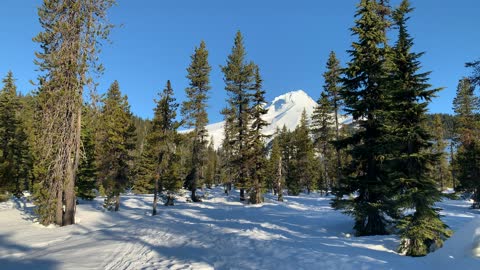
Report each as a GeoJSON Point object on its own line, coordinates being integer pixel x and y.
{"type": "Point", "coordinates": [22, 262]}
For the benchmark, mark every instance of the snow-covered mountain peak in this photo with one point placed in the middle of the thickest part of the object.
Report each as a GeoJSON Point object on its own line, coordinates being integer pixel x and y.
{"type": "Point", "coordinates": [285, 110]}
{"type": "Point", "coordinates": [291, 98]}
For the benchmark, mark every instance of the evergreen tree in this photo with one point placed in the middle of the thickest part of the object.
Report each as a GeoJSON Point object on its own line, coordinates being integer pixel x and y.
{"type": "Point", "coordinates": [239, 80]}
{"type": "Point", "coordinates": [69, 42]}
{"type": "Point", "coordinates": [228, 150]}
{"type": "Point", "coordinates": [475, 77]}
{"type": "Point", "coordinates": [161, 146]}
{"type": "Point", "coordinates": [467, 161]}
{"type": "Point", "coordinates": [364, 92]}
{"type": "Point", "coordinates": [86, 180]}
{"type": "Point", "coordinates": [117, 145]}
{"type": "Point", "coordinates": [194, 111]}
{"type": "Point", "coordinates": [323, 130]}
{"type": "Point", "coordinates": [142, 126]}
{"type": "Point", "coordinates": [440, 170]}
{"type": "Point", "coordinates": [211, 167]}
{"type": "Point", "coordinates": [26, 117]}
{"type": "Point", "coordinates": [286, 144]}
{"type": "Point", "coordinates": [448, 122]}
{"type": "Point", "coordinates": [304, 158]}
{"type": "Point", "coordinates": [276, 168]}
{"type": "Point", "coordinates": [14, 149]}
{"type": "Point", "coordinates": [332, 89]}
{"type": "Point", "coordinates": [410, 165]}
{"type": "Point", "coordinates": [257, 139]}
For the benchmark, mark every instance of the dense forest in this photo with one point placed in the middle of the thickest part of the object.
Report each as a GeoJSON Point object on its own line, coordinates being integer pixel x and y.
{"type": "Point", "coordinates": [64, 143]}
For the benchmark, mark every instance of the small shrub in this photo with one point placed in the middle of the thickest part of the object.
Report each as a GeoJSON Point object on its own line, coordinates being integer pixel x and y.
{"type": "Point", "coordinates": [4, 197]}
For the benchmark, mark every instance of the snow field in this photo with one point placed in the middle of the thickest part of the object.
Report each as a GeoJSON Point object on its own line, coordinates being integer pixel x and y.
{"type": "Point", "coordinates": [221, 233]}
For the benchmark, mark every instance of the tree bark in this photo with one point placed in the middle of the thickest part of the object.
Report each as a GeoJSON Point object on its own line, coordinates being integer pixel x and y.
{"type": "Point", "coordinates": [69, 193]}
{"type": "Point", "coordinates": [59, 205]}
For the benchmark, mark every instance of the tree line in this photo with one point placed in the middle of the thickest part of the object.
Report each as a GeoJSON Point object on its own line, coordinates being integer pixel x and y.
{"type": "Point", "coordinates": [392, 157]}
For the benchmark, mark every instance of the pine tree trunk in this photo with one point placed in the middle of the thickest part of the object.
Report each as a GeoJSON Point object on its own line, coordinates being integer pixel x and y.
{"type": "Point", "coordinates": [170, 200]}
{"type": "Point", "coordinates": [194, 195]}
{"type": "Point", "coordinates": [279, 180]}
{"type": "Point", "coordinates": [117, 202]}
{"type": "Point", "coordinates": [196, 161]}
{"type": "Point", "coordinates": [325, 168]}
{"type": "Point", "coordinates": [476, 198]}
{"type": "Point", "coordinates": [70, 202]}
{"type": "Point", "coordinates": [337, 138]}
{"type": "Point", "coordinates": [228, 188]}
{"type": "Point", "coordinates": [242, 194]}
{"type": "Point", "coordinates": [452, 164]}
{"type": "Point", "coordinates": [59, 206]}
{"type": "Point", "coordinates": [256, 195]}
{"type": "Point", "coordinates": [375, 225]}
{"type": "Point", "coordinates": [69, 189]}
{"type": "Point", "coordinates": [155, 197]}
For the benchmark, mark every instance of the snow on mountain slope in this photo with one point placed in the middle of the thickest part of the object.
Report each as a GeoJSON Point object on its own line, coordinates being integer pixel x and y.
{"type": "Point", "coordinates": [284, 110]}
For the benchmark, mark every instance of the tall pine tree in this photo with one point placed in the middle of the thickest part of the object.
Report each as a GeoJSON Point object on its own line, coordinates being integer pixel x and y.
{"type": "Point", "coordinates": [86, 180]}
{"type": "Point", "coordinates": [69, 42]}
{"type": "Point", "coordinates": [276, 168]}
{"type": "Point", "coordinates": [194, 111]}
{"type": "Point", "coordinates": [211, 166]}
{"type": "Point", "coordinates": [332, 89]}
{"type": "Point", "coordinates": [303, 158]}
{"type": "Point", "coordinates": [410, 165]}
{"type": "Point", "coordinates": [257, 145]}
{"type": "Point", "coordinates": [286, 145]}
{"type": "Point", "coordinates": [117, 145]}
{"type": "Point", "coordinates": [467, 162]}
{"type": "Point", "coordinates": [161, 148]}
{"type": "Point", "coordinates": [364, 92]}
{"type": "Point", "coordinates": [15, 159]}
{"type": "Point", "coordinates": [323, 130]}
{"type": "Point", "coordinates": [440, 171]}
{"type": "Point", "coordinates": [239, 80]}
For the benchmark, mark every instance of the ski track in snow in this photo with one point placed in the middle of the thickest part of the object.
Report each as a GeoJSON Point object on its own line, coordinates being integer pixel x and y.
{"type": "Point", "coordinates": [220, 233]}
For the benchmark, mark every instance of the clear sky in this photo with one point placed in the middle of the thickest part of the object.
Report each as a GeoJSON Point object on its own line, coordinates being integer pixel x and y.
{"type": "Point", "coordinates": [289, 40]}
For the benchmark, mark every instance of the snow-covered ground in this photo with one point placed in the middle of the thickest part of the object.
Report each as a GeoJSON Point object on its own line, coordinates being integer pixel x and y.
{"type": "Point", "coordinates": [220, 233]}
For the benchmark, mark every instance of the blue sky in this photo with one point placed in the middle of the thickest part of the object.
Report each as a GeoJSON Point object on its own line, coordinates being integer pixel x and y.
{"type": "Point", "coordinates": [290, 40]}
